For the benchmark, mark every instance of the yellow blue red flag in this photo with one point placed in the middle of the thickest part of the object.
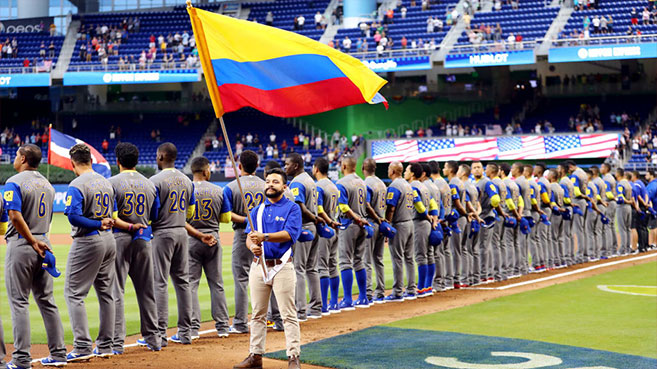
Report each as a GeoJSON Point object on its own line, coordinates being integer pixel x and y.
{"type": "Point", "coordinates": [278, 72]}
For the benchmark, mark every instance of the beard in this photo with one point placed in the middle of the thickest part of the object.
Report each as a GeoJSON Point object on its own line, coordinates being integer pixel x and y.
{"type": "Point", "coordinates": [272, 193]}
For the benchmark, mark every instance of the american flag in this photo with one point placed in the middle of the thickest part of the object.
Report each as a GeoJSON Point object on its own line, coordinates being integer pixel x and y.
{"type": "Point", "coordinates": [596, 145]}
{"type": "Point", "coordinates": [520, 147]}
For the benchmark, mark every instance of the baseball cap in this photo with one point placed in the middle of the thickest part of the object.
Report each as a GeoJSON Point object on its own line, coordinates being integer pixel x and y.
{"type": "Point", "coordinates": [306, 236]}
{"type": "Point", "coordinates": [369, 229]}
{"type": "Point", "coordinates": [387, 230]}
{"type": "Point", "coordinates": [604, 219]}
{"type": "Point", "coordinates": [475, 226]}
{"type": "Point", "coordinates": [531, 222]}
{"type": "Point", "coordinates": [524, 226]}
{"type": "Point", "coordinates": [49, 264]}
{"type": "Point", "coordinates": [544, 220]}
{"type": "Point", "coordinates": [510, 222]}
{"type": "Point", "coordinates": [566, 214]}
{"type": "Point", "coordinates": [325, 231]}
{"type": "Point", "coordinates": [436, 236]}
{"type": "Point", "coordinates": [577, 210]}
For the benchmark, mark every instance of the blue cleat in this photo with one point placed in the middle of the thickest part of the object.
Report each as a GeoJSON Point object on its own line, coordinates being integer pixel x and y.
{"type": "Point", "coordinates": [49, 361]}
{"type": "Point", "coordinates": [334, 308]}
{"type": "Point", "coordinates": [346, 305]}
{"type": "Point", "coordinates": [99, 354]}
{"type": "Point", "coordinates": [379, 300]}
{"type": "Point", "coordinates": [74, 356]}
{"type": "Point", "coordinates": [11, 365]}
{"type": "Point", "coordinates": [362, 303]}
{"type": "Point", "coordinates": [141, 342]}
{"type": "Point", "coordinates": [409, 296]}
{"type": "Point", "coordinates": [175, 338]}
{"type": "Point", "coordinates": [325, 311]}
{"type": "Point", "coordinates": [393, 298]}
{"type": "Point", "coordinates": [233, 330]}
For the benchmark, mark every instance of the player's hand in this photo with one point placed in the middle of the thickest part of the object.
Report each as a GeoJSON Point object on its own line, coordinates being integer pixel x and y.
{"type": "Point", "coordinates": [335, 224]}
{"type": "Point", "coordinates": [208, 239]}
{"type": "Point", "coordinates": [138, 226]}
{"type": "Point", "coordinates": [106, 223]}
{"type": "Point", "coordinates": [257, 237]}
{"type": "Point", "coordinates": [361, 222]}
{"type": "Point", "coordinates": [41, 247]}
{"type": "Point", "coordinates": [378, 220]}
{"type": "Point", "coordinates": [256, 250]}
{"type": "Point", "coordinates": [319, 221]}
{"type": "Point", "coordinates": [604, 203]}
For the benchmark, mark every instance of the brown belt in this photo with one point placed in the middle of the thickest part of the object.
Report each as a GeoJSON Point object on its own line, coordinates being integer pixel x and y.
{"type": "Point", "coordinates": [272, 262]}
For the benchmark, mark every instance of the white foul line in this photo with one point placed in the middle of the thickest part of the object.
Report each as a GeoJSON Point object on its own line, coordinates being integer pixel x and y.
{"type": "Point", "coordinates": [606, 288]}
{"type": "Point", "coordinates": [560, 275]}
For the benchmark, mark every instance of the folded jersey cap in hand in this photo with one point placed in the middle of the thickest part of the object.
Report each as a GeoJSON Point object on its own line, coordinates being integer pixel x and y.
{"type": "Point", "coordinates": [436, 236]}
{"type": "Point", "coordinates": [324, 231]}
{"type": "Point", "coordinates": [604, 219]}
{"type": "Point", "coordinates": [489, 222]}
{"type": "Point", "coordinates": [387, 230]}
{"type": "Point", "coordinates": [475, 226]}
{"type": "Point", "coordinates": [48, 264]}
{"type": "Point", "coordinates": [531, 221]}
{"type": "Point", "coordinates": [524, 226]}
{"type": "Point", "coordinates": [370, 231]}
{"type": "Point", "coordinates": [510, 222]}
{"type": "Point", "coordinates": [446, 230]}
{"type": "Point", "coordinates": [566, 214]}
{"type": "Point", "coordinates": [306, 236]}
{"type": "Point", "coordinates": [544, 220]}
{"type": "Point", "coordinates": [455, 227]}
{"type": "Point", "coordinates": [452, 217]}
{"type": "Point", "coordinates": [577, 210]}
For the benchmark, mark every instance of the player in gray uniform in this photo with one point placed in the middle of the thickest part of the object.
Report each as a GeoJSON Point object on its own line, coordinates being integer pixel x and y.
{"type": "Point", "coordinates": [432, 251]}
{"type": "Point", "coordinates": [28, 200]}
{"type": "Point", "coordinates": [210, 210]}
{"type": "Point", "coordinates": [443, 255]}
{"type": "Point", "coordinates": [376, 190]}
{"type": "Point", "coordinates": [625, 202]}
{"type": "Point", "coordinates": [470, 238]}
{"type": "Point", "coordinates": [579, 198]}
{"type": "Point", "coordinates": [611, 241]}
{"type": "Point", "coordinates": [90, 208]}
{"type": "Point", "coordinates": [305, 253]}
{"type": "Point", "coordinates": [352, 240]}
{"type": "Point", "coordinates": [327, 262]}
{"type": "Point", "coordinates": [422, 223]}
{"type": "Point", "coordinates": [522, 248]}
{"type": "Point", "coordinates": [170, 247]}
{"type": "Point", "coordinates": [450, 170]}
{"type": "Point", "coordinates": [555, 244]}
{"type": "Point", "coordinates": [499, 249]}
{"type": "Point", "coordinates": [513, 255]}
{"type": "Point", "coordinates": [543, 195]}
{"type": "Point", "coordinates": [601, 188]}
{"type": "Point", "coordinates": [242, 257]}
{"type": "Point", "coordinates": [490, 202]}
{"type": "Point", "coordinates": [568, 256]}
{"type": "Point", "coordinates": [137, 204]}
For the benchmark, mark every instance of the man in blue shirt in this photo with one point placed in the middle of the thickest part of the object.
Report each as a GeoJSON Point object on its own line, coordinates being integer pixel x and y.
{"type": "Point", "coordinates": [277, 224]}
{"type": "Point", "coordinates": [652, 198]}
{"type": "Point", "coordinates": [640, 219]}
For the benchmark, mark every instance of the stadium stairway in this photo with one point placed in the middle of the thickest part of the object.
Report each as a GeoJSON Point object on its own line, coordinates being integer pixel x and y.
{"type": "Point", "coordinates": [452, 36]}
{"type": "Point", "coordinates": [66, 52]}
{"type": "Point", "coordinates": [200, 147]}
{"type": "Point", "coordinates": [555, 28]}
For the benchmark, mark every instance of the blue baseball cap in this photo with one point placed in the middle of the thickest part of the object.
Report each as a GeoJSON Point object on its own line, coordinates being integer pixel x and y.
{"type": "Point", "coordinates": [531, 222]}
{"type": "Point", "coordinates": [387, 230]}
{"type": "Point", "coordinates": [369, 229]}
{"type": "Point", "coordinates": [452, 217]}
{"type": "Point", "coordinates": [344, 223]}
{"type": "Point", "coordinates": [510, 222]}
{"type": "Point", "coordinates": [525, 228]}
{"type": "Point", "coordinates": [446, 231]}
{"type": "Point", "coordinates": [306, 236]}
{"type": "Point", "coordinates": [324, 231]}
{"type": "Point", "coordinates": [489, 222]}
{"type": "Point", "coordinates": [145, 234]}
{"type": "Point", "coordinates": [455, 227]}
{"type": "Point", "coordinates": [436, 236]}
{"type": "Point", "coordinates": [48, 264]}
{"type": "Point", "coordinates": [604, 219]}
{"type": "Point", "coordinates": [544, 220]}
{"type": "Point", "coordinates": [566, 214]}
{"type": "Point", "coordinates": [577, 210]}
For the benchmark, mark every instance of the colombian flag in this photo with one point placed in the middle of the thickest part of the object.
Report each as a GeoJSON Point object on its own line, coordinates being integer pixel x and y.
{"type": "Point", "coordinates": [277, 72]}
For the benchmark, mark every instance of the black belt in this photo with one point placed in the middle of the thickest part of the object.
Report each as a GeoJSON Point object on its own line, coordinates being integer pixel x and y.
{"type": "Point", "coordinates": [272, 262]}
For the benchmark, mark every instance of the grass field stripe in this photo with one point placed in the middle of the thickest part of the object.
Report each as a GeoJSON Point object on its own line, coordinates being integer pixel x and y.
{"type": "Point", "coordinates": [561, 275]}
{"type": "Point", "coordinates": [606, 288]}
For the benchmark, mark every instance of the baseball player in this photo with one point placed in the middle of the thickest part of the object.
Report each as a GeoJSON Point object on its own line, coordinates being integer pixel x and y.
{"type": "Point", "coordinates": [641, 197]}
{"type": "Point", "coordinates": [450, 170]}
{"type": "Point", "coordinates": [137, 204]}
{"type": "Point", "coordinates": [90, 208]}
{"type": "Point", "coordinates": [422, 222]}
{"type": "Point", "coordinates": [626, 203]}
{"type": "Point", "coordinates": [327, 263]}
{"type": "Point", "coordinates": [537, 195]}
{"type": "Point", "coordinates": [400, 201]}
{"type": "Point", "coordinates": [170, 247]}
{"type": "Point", "coordinates": [555, 244]}
{"type": "Point", "coordinates": [651, 190]}
{"type": "Point", "coordinates": [610, 247]}
{"type": "Point", "coordinates": [3, 230]}
{"type": "Point", "coordinates": [601, 188]}
{"type": "Point", "coordinates": [524, 197]}
{"type": "Point", "coordinates": [470, 236]}
{"type": "Point", "coordinates": [443, 255]}
{"type": "Point", "coordinates": [513, 256]}
{"type": "Point", "coordinates": [305, 253]}
{"type": "Point", "coordinates": [490, 201]}
{"type": "Point", "coordinates": [432, 250]}
{"type": "Point", "coordinates": [499, 250]}
{"type": "Point", "coordinates": [254, 192]}
{"type": "Point", "coordinates": [28, 201]}
{"type": "Point", "coordinates": [210, 210]}
{"type": "Point", "coordinates": [545, 203]}
{"type": "Point", "coordinates": [593, 225]}
{"type": "Point", "coordinates": [568, 256]}
{"type": "Point", "coordinates": [376, 190]}
{"type": "Point", "coordinates": [579, 198]}
{"type": "Point", "coordinates": [352, 240]}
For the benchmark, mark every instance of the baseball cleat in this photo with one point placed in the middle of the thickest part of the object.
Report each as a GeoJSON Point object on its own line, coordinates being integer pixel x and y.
{"type": "Point", "coordinates": [302, 319]}
{"type": "Point", "coordinates": [225, 334]}
{"type": "Point", "coordinates": [104, 355]}
{"type": "Point", "coordinates": [141, 342]}
{"type": "Point", "coordinates": [270, 324]}
{"type": "Point", "coordinates": [74, 356]}
{"type": "Point", "coordinates": [117, 352]}
{"type": "Point", "coordinates": [394, 298]}
{"type": "Point", "coordinates": [314, 316]}
{"type": "Point", "coordinates": [421, 293]}
{"type": "Point", "coordinates": [325, 311]}
{"type": "Point", "coordinates": [346, 305]}
{"type": "Point", "coordinates": [176, 338]}
{"type": "Point", "coordinates": [334, 308]}
{"type": "Point", "coordinates": [11, 365]}
{"type": "Point", "coordinates": [379, 300]}
{"type": "Point", "coordinates": [49, 361]}
{"type": "Point", "coordinates": [233, 330]}
{"type": "Point", "coordinates": [278, 326]}
{"type": "Point", "coordinates": [409, 296]}
{"type": "Point", "coordinates": [362, 303]}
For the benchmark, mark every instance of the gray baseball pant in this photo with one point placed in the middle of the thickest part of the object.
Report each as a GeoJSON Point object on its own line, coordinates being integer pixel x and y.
{"type": "Point", "coordinates": [327, 264]}
{"type": "Point", "coordinates": [468, 241]}
{"type": "Point", "coordinates": [545, 244]}
{"type": "Point", "coordinates": [484, 246]}
{"type": "Point", "coordinates": [23, 274]}
{"type": "Point", "coordinates": [135, 259]}
{"type": "Point", "coordinates": [555, 244]}
{"type": "Point", "coordinates": [610, 246]}
{"type": "Point", "coordinates": [624, 219]}
{"type": "Point", "coordinates": [498, 251]}
{"type": "Point", "coordinates": [171, 258]}
{"type": "Point", "coordinates": [579, 230]}
{"type": "Point", "coordinates": [91, 262]}
{"type": "Point", "coordinates": [374, 258]}
{"type": "Point", "coordinates": [510, 250]}
{"type": "Point", "coordinates": [206, 259]}
{"type": "Point", "coordinates": [401, 253]}
{"type": "Point", "coordinates": [458, 248]}
{"type": "Point", "coordinates": [241, 261]}
{"type": "Point", "coordinates": [305, 265]}
{"type": "Point", "coordinates": [439, 280]}
{"type": "Point", "coordinates": [590, 226]}
{"type": "Point", "coordinates": [568, 249]}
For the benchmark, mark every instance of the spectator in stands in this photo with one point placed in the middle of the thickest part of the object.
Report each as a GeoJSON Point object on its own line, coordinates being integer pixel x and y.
{"type": "Point", "coordinates": [518, 41]}
{"type": "Point", "coordinates": [275, 152]}
{"type": "Point", "coordinates": [596, 24]}
{"type": "Point", "coordinates": [121, 63]}
{"type": "Point", "coordinates": [603, 24]}
{"type": "Point", "coordinates": [301, 20]}
{"type": "Point", "coordinates": [249, 139]}
{"type": "Point", "coordinates": [239, 147]}
{"type": "Point", "coordinates": [633, 17]}
{"type": "Point", "coordinates": [26, 63]}
{"type": "Point", "coordinates": [379, 50]}
{"type": "Point", "coordinates": [498, 33]}
{"type": "Point", "coordinates": [390, 15]}
{"type": "Point", "coordinates": [645, 16]}
{"type": "Point", "coordinates": [284, 146]}
{"type": "Point", "coordinates": [318, 142]}
{"type": "Point", "coordinates": [42, 50]}
{"type": "Point", "coordinates": [364, 29]}
{"type": "Point", "coordinates": [269, 18]}
{"type": "Point", "coordinates": [466, 20]}
{"type": "Point", "coordinates": [307, 158]}
{"type": "Point", "coordinates": [306, 142]}
{"type": "Point", "coordinates": [53, 30]}
{"type": "Point", "coordinates": [185, 39]}
{"type": "Point", "coordinates": [272, 138]}
{"type": "Point", "coordinates": [497, 5]}
{"type": "Point", "coordinates": [425, 5]}
{"type": "Point", "coordinates": [403, 11]}
{"type": "Point", "coordinates": [346, 44]}
{"type": "Point", "coordinates": [269, 151]}
{"type": "Point", "coordinates": [510, 41]}
{"type": "Point", "coordinates": [215, 143]}
{"type": "Point", "coordinates": [404, 42]}
{"type": "Point", "coordinates": [105, 146]}
{"type": "Point", "coordinates": [430, 25]}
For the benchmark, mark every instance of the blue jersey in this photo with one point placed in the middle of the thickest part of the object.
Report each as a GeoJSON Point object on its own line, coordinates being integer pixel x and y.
{"type": "Point", "coordinates": [652, 193]}
{"type": "Point", "coordinates": [283, 215]}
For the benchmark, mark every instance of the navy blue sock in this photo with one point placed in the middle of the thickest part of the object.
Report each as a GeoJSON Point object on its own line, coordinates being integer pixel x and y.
{"type": "Point", "coordinates": [430, 274]}
{"type": "Point", "coordinates": [335, 289]}
{"type": "Point", "coordinates": [361, 280]}
{"type": "Point", "coordinates": [324, 286]}
{"type": "Point", "coordinates": [422, 276]}
{"type": "Point", "coordinates": [347, 283]}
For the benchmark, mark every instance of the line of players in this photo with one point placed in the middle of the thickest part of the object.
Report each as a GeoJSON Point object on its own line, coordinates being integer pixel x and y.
{"type": "Point", "coordinates": [471, 227]}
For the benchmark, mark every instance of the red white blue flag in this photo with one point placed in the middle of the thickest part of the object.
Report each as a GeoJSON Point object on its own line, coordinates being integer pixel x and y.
{"type": "Point", "coordinates": [58, 155]}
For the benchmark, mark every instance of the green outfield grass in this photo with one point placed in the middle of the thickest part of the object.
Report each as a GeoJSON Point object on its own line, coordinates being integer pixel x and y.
{"type": "Point", "coordinates": [60, 225]}
{"type": "Point", "coordinates": [575, 313]}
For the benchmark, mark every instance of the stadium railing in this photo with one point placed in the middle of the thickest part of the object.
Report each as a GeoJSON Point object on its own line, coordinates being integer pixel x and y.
{"type": "Point", "coordinates": [178, 66]}
{"type": "Point", "coordinates": [44, 68]}
{"type": "Point", "coordinates": [606, 40]}
{"type": "Point", "coordinates": [494, 47]}
{"type": "Point", "coordinates": [395, 53]}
